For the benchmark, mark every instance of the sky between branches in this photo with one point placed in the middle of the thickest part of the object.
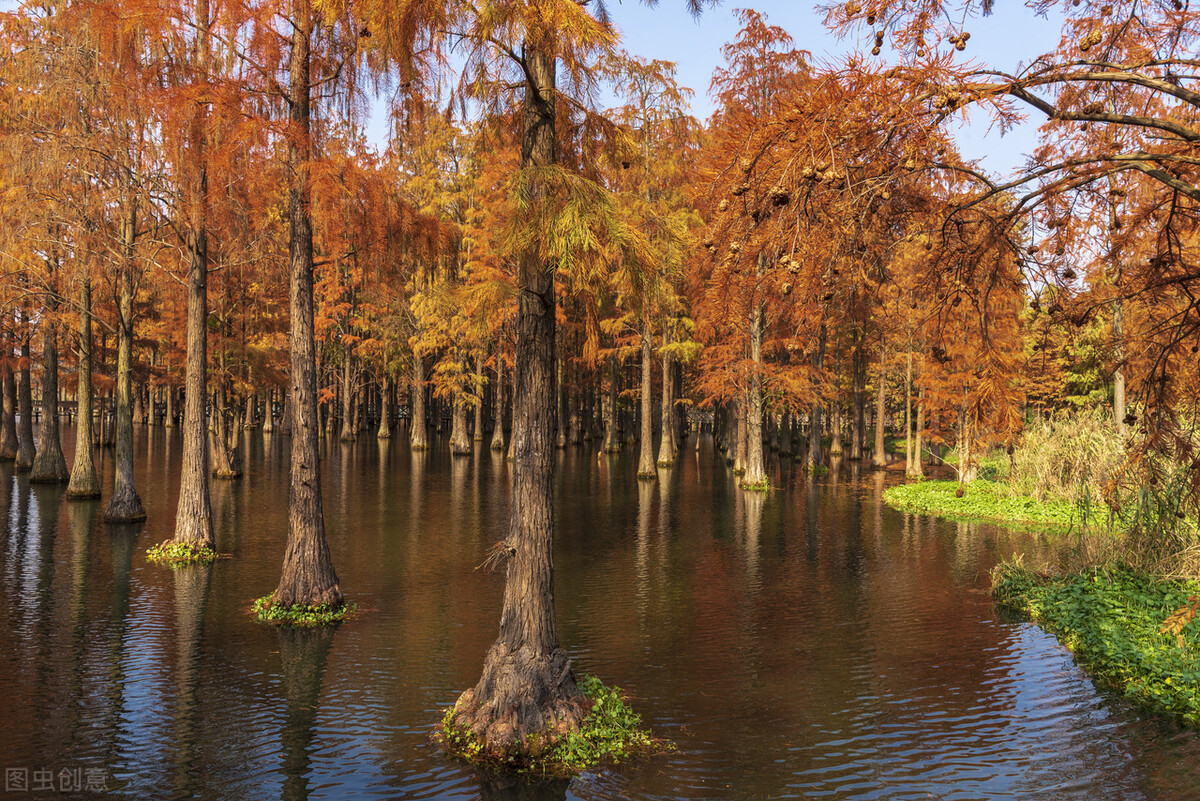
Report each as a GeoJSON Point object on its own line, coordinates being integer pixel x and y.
{"type": "Point", "coordinates": [1013, 35]}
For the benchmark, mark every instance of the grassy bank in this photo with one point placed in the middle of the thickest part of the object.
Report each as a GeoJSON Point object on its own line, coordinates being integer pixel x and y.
{"type": "Point", "coordinates": [1133, 633]}
{"type": "Point", "coordinates": [982, 500]}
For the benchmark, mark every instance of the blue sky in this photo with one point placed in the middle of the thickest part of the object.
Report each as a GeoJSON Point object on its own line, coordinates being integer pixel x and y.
{"type": "Point", "coordinates": [1013, 34]}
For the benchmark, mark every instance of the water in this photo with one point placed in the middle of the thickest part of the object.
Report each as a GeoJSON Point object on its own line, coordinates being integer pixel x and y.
{"type": "Point", "coordinates": [810, 644]}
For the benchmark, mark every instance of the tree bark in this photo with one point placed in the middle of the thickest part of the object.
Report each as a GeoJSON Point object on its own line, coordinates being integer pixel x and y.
{"type": "Point", "coordinates": [308, 575]}
{"type": "Point", "coordinates": [498, 400]}
{"type": "Point", "coordinates": [224, 440]}
{"type": "Point", "coordinates": [460, 441]}
{"type": "Point", "coordinates": [756, 474]}
{"type": "Point", "coordinates": [385, 408]}
{"type": "Point", "coordinates": [172, 396]}
{"type": "Point", "coordinates": [139, 405]}
{"type": "Point", "coordinates": [858, 437]}
{"type": "Point", "coordinates": [814, 413]}
{"type": "Point", "coordinates": [85, 483]}
{"type": "Point", "coordinates": [917, 469]}
{"type": "Point", "coordinates": [668, 446]}
{"type": "Point", "coordinates": [419, 436]}
{"type": "Point", "coordinates": [879, 457]}
{"type": "Point", "coordinates": [49, 464]}
{"type": "Point", "coordinates": [560, 416]}
{"type": "Point", "coordinates": [739, 433]}
{"type": "Point", "coordinates": [349, 429]}
{"type": "Point", "coordinates": [612, 439]}
{"type": "Point", "coordinates": [193, 513]}
{"type": "Point", "coordinates": [836, 449]}
{"type": "Point", "coordinates": [268, 425]}
{"type": "Point", "coordinates": [646, 465]}
{"type": "Point", "coordinates": [477, 434]}
{"type": "Point", "coordinates": [25, 448]}
{"type": "Point", "coordinates": [125, 506]}
{"type": "Point", "coordinates": [8, 422]}
{"type": "Point", "coordinates": [527, 686]}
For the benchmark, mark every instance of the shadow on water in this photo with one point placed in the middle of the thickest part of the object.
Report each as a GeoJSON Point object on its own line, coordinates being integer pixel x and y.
{"type": "Point", "coordinates": [303, 653]}
{"type": "Point", "coordinates": [509, 788]}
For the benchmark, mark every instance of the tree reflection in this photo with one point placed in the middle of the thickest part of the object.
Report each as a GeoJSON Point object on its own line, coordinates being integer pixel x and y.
{"type": "Point", "coordinates": [303, 653]}
{"type": "Point", "coordinates": [191, 598]}
{"type": "Point", "coordinates": [517, 788]}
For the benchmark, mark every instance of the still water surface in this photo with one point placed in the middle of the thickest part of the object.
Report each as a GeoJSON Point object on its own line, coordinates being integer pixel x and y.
{"type": "Point", "coordinates": [810, 644]}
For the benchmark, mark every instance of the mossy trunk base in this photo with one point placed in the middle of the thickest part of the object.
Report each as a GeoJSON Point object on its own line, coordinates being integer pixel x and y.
{"type": "Point", "coordinates": [523, 704]}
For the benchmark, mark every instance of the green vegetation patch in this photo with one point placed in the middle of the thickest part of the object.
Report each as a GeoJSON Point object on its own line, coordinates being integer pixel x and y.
{"type": "Point", "coordinates": [179, 554]}
{"type": "Point", "coordinates": [301, 614]}
{"type": "Point", "coordinates": [610, 733]}
{"type": "Point", "coordinates": [982, 500]}
{"type": "Point", "coordinates": [758, 486]}
{"type": "Point", "coordinates": [1134, 633]}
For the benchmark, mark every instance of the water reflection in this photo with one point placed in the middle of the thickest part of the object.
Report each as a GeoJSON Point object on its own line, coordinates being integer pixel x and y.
{"type": "Point", "coordinates": [502, 788]}
{"type": "Point", "coordinates": [805, 642]}
{"type": "Point", "coordinates": [191, 598]}
{"type": "Point", "coordinates": [302, 654]}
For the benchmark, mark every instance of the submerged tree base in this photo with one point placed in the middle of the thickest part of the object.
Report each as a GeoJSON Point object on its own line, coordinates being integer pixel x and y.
{"type": "Point", "coordinates": [610, 732]}
{"type": "Point", "coordinates": [756, 486]}
{"type": "Point", "coordinates": [1133, 632]}
{"type": "Point", "coordinates": [179, 554]}
{"type": "Point", "coordinates": [304, 615]}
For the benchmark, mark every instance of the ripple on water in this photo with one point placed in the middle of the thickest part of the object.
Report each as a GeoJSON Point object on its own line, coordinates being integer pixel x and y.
{"type": "Point", "coordinates": [810, 644]}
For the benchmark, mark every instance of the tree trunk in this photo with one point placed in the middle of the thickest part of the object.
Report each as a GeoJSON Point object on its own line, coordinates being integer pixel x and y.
{"type": "Point", "coordinates": [268, 426]}
{"type": "Point", "coordinates": [739, 433]}
{"type": "Point", "coordinates": [349, 427]}
{"type": "Point", "coordinates": [498, 409]}
{"type": "Point", "coordinates": [858, 437]}
{"type": "Point", "coordinates": [125, 506]}
{"type": "Point", "coordinates": [477, 434]}
{"type": "Point", "coordinates": [612, 439]}
{"type": "Point", "coordinates": [419, 436]}
{"type": "Point", "coordinates": [193, 514]}
{"type": "Point", "coordinates": [308, 575]}
{"type": "Point", "coordinates": [879, 457]}
{"type": "Point", "coordinates": [835, 430]}
{"type": "Point", "coordinates": [385, 409]}
{"type": "Point", "coordinates": [49, 464]}
{"type": "Point", "coordinates": [560, 417]}
{"type": "Point", "coordinates": [224, 441]}
{"type": "Point", "coordinates": [285, 415]}
{"type": "Point", "coordinates": [527, 686]}
{"type": "Point", "coordinates": [668, 446]}
{"type": "Point", "coordinates": [25, 449]}
{"type": "Point", "coordinates": [646, 465]}
{"type": "Point", "coordinates": [917, 469]}
{"type": "Point", "coordinates": [172, 396]}
{"type": "Point", "coordinates": [85, 483]}
{"type": "Point", "coordinates": [756, 474]}
{"type": "Point", "coordinates": [139, 405]}
{"type": "Point", "coordinates": [1119, 372]}
{"type": "Point", "coordinates": [814, 413]}
{"type": "Point", "coordinates": [460, 440]}
{"type": "Point", "coordinates": [8, 422]}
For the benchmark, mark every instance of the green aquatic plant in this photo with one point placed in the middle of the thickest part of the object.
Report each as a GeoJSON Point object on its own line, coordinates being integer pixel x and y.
{"type": "Point", "coordinates": [267, 611]}
{"type": "Point", "coordinates": [1134, 633]}
{"type": "Point", "coordinates": [611, 732]}
{"type": "Point", "coordinates": [983, 500]}
{"type": "Point", "coordinates": [179, 554]}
